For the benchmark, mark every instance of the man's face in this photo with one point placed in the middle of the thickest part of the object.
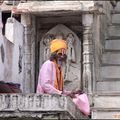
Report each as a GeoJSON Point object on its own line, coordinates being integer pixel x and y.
{"type": "Point", "coordinates": [62, 55]}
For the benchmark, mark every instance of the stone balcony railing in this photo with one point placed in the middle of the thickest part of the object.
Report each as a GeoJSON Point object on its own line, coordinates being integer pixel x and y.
{"type": "Point", "coordinates": [38, 106]}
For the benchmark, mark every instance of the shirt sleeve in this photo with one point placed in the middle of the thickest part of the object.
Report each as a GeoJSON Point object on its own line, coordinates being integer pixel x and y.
{"type": "Point", "coordinates": [46, 79]}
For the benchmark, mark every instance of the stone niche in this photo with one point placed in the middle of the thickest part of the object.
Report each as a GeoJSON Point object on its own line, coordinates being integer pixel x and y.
{"type": "Point", "coordinates": [72, 67]}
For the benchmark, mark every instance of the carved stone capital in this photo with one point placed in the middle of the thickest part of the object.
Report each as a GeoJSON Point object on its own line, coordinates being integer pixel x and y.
{"type": "Point", "coordinates": [87, 20]}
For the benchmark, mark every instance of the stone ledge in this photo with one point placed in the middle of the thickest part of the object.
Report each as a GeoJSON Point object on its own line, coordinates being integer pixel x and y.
{"type": "Point", "coordinates": [32, 105]}
{"type": "Point", "coordinates": [60, 7]}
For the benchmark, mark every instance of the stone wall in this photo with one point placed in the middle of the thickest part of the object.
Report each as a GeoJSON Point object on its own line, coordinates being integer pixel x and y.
{"type": "Point", "coordinates": [102, 23]}
{"type": "Point", "coordinates": [100, 34]}
{"type": "Point", "coordinates": [105, 21]}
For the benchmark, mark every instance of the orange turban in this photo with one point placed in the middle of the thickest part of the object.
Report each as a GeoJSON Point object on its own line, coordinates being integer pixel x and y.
{"type": "Point", "coordinates": [57, 44]}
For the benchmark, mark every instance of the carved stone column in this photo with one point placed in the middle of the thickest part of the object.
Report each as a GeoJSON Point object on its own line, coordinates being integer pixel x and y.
{"type": "Point", "coordinates": [87, 53]}
{"type": "Point", "coordinates": [25, 20]}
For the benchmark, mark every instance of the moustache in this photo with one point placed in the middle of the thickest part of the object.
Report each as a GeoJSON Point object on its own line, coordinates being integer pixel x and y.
{"type": "Point", "coordinates": [62, 57]}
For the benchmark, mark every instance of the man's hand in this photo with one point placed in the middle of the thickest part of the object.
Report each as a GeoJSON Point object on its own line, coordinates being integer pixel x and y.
{"type": "Point", "coordinates": [78, 92]}
{"type": "Point", "coordinates": [72, 95]}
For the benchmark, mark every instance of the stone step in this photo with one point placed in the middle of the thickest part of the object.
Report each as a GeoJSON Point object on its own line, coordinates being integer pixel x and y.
{"type": "Point", "coordinates": [110, 72]}
{"type": "Point", "coordinates": [113, 44]}
{"type": "Point", "coordinates": [107, 93]}
{"type": "Point", "coordinates": [107, 101]}
{"type": "Point", "coordinates": [111, 51]}
{"type": "Point", "coordinates": [116, 18]}
{"type": "Point", "coordinates": [113, 38]}
{"type": "Point", "coordinates": [105, 114]}
{"type": "Point", "coordinates": [108, 79]}
{"type": "Point", "coordinates": [109, 64]}
{"type": "Point", "coordinates": [115, 12]}
{"type": "Point", "coordinates": [112, 58]}
{"type": "Point", "coordinates": [114, 30]}
{"type": "Point", "coordinates": [106, 106]}
{"type": "Point", "coordinates": [108, 85]}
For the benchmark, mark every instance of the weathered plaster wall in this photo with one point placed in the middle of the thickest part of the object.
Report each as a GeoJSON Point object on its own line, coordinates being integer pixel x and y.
{"type": "Point", "coordinates": [1, 54]}
{"type": "Point", "coordinates": [2, 57]}
{"type": "Point", "coordinates": [17, 53]}
{"type": "Point", "coordinates": [12, 55]}
{"type": "Point", "coordinates": [6, 59]}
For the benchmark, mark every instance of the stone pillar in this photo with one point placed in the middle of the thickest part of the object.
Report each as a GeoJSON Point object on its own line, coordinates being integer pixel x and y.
{"type": "Point", "coordinates": [26, 21]}
{"type": "Point", "coordinates": [87, 20]}
{"type": "Point", "coordinates": [33, 39]}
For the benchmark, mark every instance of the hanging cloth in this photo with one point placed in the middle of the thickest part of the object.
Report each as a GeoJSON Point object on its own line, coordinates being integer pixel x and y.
{"type": "Point", "coordinates": [58, 84]}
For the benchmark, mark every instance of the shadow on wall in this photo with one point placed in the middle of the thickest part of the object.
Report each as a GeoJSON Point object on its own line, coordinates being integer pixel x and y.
{"type": "Point", "coordinates": [2, 53]}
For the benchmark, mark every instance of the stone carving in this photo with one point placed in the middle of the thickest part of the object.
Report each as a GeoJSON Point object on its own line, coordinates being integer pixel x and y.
{"type": "Point", "coordinates": [46, 42]}
{"type": "Point", "coordinates": [70, 53]}
{"type": "Point", "coordinates": [59, 35]}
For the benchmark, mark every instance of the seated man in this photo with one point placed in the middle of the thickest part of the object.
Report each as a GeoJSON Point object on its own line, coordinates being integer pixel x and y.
{"type": "Point", "coordinates": [51, 77]}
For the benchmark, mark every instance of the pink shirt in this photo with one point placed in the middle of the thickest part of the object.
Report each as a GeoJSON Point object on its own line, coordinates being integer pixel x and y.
{"type": "Point", "coordinates": [47, 76]}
